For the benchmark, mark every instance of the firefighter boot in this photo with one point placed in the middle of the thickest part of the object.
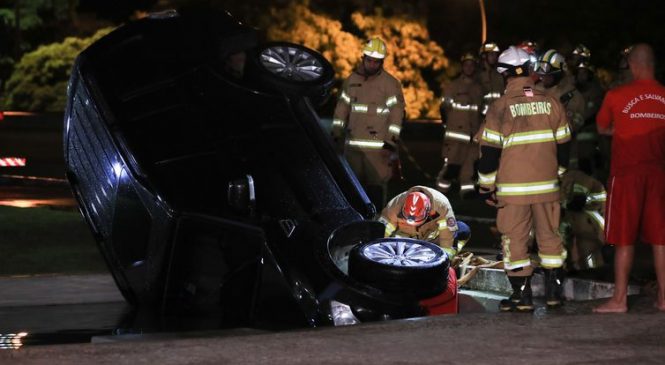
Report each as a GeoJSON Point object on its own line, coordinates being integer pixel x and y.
{"type": "Point", "coordinates": [521, 298]}
{"type": "Point", "coordinates": [553, 287]}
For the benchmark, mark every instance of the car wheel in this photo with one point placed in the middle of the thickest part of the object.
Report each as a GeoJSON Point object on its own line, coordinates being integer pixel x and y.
{"type": "Point", "coordinates": [294, 70]}
{"type": "Point", "coordinates": [410, 267]}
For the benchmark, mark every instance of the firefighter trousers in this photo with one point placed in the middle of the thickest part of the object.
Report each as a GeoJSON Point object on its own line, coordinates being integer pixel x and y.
{"type": "Point", "coordinates": [515, 222]}
{"type": "Point", "coordinates": [373, 169]}
{"type": "Point", "coordinates": [463, 154]}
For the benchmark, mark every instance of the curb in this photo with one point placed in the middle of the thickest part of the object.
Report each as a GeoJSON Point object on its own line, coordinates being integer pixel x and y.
{"type": "Point", "coordinates": [575, 289]}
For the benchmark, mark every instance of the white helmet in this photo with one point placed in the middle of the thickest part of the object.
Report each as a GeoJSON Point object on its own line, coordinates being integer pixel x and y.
{"type": "Point", "coordinates": [514, 61]}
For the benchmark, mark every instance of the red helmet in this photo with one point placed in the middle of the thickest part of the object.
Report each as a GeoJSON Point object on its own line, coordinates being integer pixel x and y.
{"type": "Point", "coordinates": [416, 208]}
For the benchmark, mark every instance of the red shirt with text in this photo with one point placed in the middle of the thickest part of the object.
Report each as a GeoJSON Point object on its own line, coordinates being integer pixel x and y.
{"type": "Point", "coordinates": [636, 111]}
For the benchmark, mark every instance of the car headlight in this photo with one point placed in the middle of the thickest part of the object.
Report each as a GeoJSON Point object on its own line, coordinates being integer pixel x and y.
{"type": "Point", "coordinates": [342, 314]}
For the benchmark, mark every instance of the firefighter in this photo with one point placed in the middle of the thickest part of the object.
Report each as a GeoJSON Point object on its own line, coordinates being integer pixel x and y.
{"type": "Point", "coordinates": [581, 53]}
{"type": "Point", "coordinates": [624, 76]}
{"type": "Point", "coordinates": [368, 119]}
{"type": "Point", "coordinates": [551, 67]}
{"type": "Point", "coordinates": [490, 79]}
{"type": "Point", "coordinates": [524, 148]}
{"type": "Point", "coordinates": [461, 112]}
{"type": "Point", "coordinates": [588, 140]}
{"type": "Point", "coordinates": [532, 49]}
{"type": "Point", "coordinates": [426, 214]}
{"type": "Point", "coordinates": [583, 222]}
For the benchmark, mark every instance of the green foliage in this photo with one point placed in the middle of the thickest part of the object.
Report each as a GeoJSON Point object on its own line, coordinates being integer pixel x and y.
{"type": "Point", "coordinates": [39, 81]}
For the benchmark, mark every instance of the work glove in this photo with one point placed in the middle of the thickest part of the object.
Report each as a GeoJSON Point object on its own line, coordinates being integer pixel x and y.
{"type": "Point", "coordinates": [488, 195]}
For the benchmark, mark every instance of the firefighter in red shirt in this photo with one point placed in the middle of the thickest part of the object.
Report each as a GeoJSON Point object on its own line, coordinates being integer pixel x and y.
{"type": "Point", "coordinates": [634, 114]}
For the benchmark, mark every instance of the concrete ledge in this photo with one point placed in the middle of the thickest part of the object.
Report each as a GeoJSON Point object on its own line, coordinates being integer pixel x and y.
{"type": "Point", "coordinates": [495, 280]}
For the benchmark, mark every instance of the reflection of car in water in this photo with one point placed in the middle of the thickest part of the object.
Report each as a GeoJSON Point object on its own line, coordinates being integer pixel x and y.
{"type": "Point", "coordinates": [217, 191]}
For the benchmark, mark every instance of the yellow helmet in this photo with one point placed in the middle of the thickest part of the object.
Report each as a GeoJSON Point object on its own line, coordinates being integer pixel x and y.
{"type": "Point", "coordinates": [375, 48]}
{"type": "Point", "coordinates": [582, 51]}
{"type": "Point", "coordinates": [489, 47]}
{"type": "Point", "coordinates": [468, 56]}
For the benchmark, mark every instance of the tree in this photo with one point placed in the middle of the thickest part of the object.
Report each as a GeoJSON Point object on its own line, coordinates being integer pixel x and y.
{"type": "Point", "coordinates": [411, 52]}
{"type": "Point", "coordinates": [39, 81]}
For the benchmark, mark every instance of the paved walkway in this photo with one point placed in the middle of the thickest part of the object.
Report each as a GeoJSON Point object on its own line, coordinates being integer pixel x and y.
{"type": "Point", "coordinates": [570, 335]}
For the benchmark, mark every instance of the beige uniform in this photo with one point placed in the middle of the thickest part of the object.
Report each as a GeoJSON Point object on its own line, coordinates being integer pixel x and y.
{"type": "Point", "coordinates": [492, 84]}
{"type": "Point", "coordinates": [368, 115]}
{"type": "Point", "coordinates": [583, 229]}
{"type": "Point", "coordinates": [573, 102]}
{"type": "Point", "coordinates": [587, 137]}
{"type": "Point", "coordinates": [463, 101]}
{"type": "Point", "coordinates": [526, 125]}
{"type": "Point", "coordinates": [439, 227]}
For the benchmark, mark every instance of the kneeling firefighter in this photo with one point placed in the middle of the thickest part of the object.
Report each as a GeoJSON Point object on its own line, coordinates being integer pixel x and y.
{"type": "Point", "coordinates": [426, 214]}
{"type": "Point", "coordinates": [524, 148]}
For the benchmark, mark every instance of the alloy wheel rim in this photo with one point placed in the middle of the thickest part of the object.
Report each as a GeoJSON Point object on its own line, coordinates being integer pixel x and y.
{"type": "Point", "coordinates": [291, 63]}
{"type": "Point", "coordinates": [400, 253]}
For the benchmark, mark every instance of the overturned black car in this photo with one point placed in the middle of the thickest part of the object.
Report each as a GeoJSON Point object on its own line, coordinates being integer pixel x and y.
{"type": "Point", "coordinates": [200, 165]}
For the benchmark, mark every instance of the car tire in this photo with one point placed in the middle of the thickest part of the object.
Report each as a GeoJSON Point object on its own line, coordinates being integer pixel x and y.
{"type": "Point", "coordinates": [409, 267]}
{"type": "Point", "coordinates": [294, 70]}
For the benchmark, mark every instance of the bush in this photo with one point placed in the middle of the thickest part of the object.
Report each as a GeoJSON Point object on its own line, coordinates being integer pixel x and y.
{"type": "Point", "coordinates": [39, 80]}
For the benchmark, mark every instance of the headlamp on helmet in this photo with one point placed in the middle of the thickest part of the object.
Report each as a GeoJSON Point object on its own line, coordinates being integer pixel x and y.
{"type": "Point", "coordinates": [416, 208]}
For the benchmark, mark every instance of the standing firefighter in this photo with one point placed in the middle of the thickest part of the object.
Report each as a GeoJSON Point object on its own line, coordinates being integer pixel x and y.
{"type": "Point", "coordinates": [553, 72]}
{"type": "Point", "coordinates": [369, 117]}
{"type": "Point", "coordinates": [491, 80]}
{"type": "Point", "coordinates": [524, 148]}
{"type": "Point", "coordinates": [460, 111]}
{"type": "Point", "coordinates": [426, 214]}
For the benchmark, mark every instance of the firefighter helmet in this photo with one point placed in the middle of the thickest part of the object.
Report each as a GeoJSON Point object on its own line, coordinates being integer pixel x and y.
{"type": "Point", "coordinates": [513, 61]}
{"type": "Point", "coordinates": [375, 48]}
{"type": "Point", "coordinates": [626, 51]}
{"type": "Point", "coordinates": [416, 208]}
{"type": "Point", "coordinates": [550, 62]}
{"type": "Point", "coordinates": [530, 47]}
{"type": "Point", "coordinates": [468, 56]}
{"type": "Point", "coordinates": [582, 51]}
{"type": "Point", "coordinates": [489, 47]}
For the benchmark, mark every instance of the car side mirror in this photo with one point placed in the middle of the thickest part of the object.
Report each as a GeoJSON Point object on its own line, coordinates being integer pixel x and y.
{"type": "Point", "coordinates": [241, 195]}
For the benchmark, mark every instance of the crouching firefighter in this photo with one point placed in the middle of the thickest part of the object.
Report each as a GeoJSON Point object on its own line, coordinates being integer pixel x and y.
{"type": "Point", "coordinates": [426, 214]}
{"type": "Point", "coordinates": [524, 148]}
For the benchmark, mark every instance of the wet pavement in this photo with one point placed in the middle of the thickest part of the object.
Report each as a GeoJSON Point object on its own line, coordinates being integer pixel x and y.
{"type": "Point", "coordinates": [570, 335]}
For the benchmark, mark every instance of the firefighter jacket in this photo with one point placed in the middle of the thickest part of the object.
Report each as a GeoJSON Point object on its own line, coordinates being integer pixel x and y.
{"type": "Point", "coordinates": [492, 84]}
{"type": "Point", "coordinates": [523, 129]}
{"type": "Point", "coordinates": [462, 104]}
{"type": "Point", "coordinates": [438, 228]}
{"type": "Point", "coordinates": [572, 100]}
{"type": "Point", "coordinates": [586, 193]}
{"type": "Point", "coordinates": [593, 94]}
{"type": "Point", "coordinates": [369, 111]}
